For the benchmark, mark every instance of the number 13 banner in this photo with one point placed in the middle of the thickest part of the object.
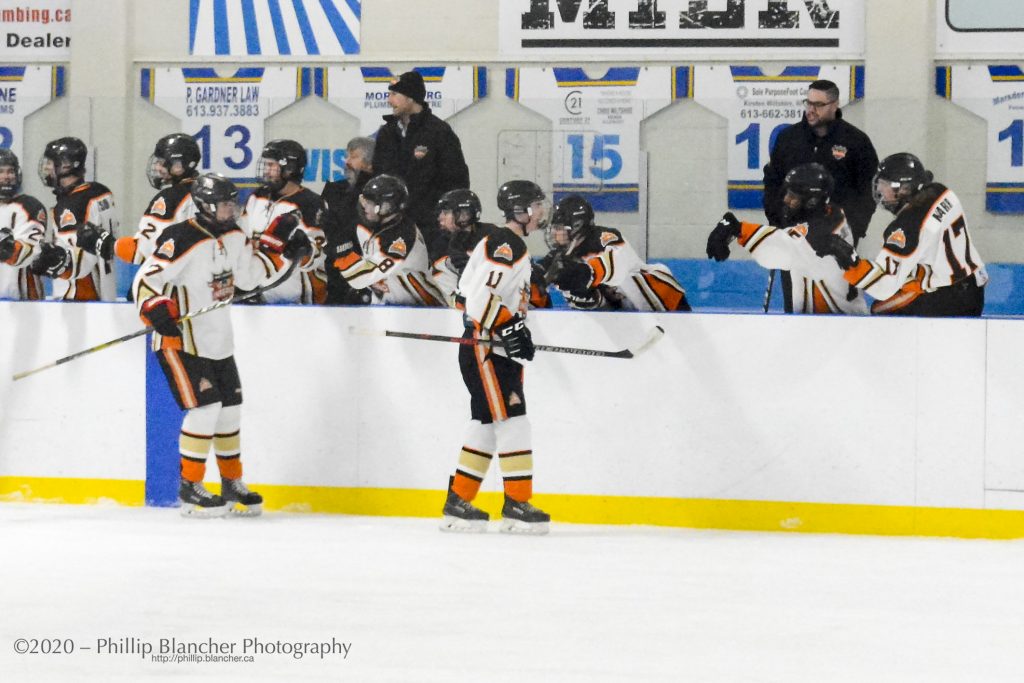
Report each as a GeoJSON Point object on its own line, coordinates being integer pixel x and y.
{"type": "Point", "coordinates": [996, 94]}
{"type": "Point", "coordinates": [596, 125]}
{"type": "Point", "coordinates": [226, 113]}
{"type": "Point", "coordinates": [758, 107]}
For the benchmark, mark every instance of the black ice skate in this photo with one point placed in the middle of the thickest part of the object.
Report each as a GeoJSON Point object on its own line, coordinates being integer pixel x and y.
{"type": "Point", "coordinates": [523, 518]}
{"type": "Point", "coordinates": [461, 515]}
{"type": "Point", "coordinates": [196, 501]}
{"type": "Point", "coordinates": [239, 499]}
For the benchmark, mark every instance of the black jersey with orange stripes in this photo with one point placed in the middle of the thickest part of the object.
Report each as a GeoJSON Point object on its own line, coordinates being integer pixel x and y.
{"type": "Point", "coordinates": [170, 205]}
{"type": "Point", "coordinates": [261, 203]}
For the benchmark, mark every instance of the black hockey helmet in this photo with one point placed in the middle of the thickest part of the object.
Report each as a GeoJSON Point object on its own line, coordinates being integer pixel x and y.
{"type": "Point", "coordinates": [382, 200]}
{"type": "Point", "coordinates": [905, 174]}
{"type": "Point", "coordinates": [66, 157]}
{"type": "Point", "coordinates": [209, 191]}
{"type": "Point", "coordinates": [570, 215]}
{"type": "Point", "coordinates": [290, 156]}
{"type": "Point", "coordinates": [9, 159]}
{"type": "Point", "coordinates": [176, 147]}
{"type": "Point", "coordinates": [517, 197]}
{"type": "Point", "coordinates": [809, 184]}
{"type": "Point", "coordinates": [464, 205]}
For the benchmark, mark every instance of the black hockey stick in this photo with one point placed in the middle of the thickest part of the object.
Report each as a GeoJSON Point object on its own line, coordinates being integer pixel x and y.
{"type": "Point", "coordinates": [631, 352]}
{"type": "Point", "coordinates": [768, 289]}
{"type": "Point", "coordinates": [138, 333]}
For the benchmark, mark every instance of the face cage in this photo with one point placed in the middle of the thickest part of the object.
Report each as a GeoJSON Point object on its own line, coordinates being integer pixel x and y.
{"type": "Point", "coordinates": [211, 209]}
{"type": "Point", "coordinates": [545, 205]}
{"type": "Point", "coordinates": [375, 214]}
{"type": "Point", "coordinates": [901, 194]}
{"type": "Point", "coordinates": [557, 236]}
{"type": "Point", "coordinates": [48, 175]}
{"type": "Point", "coordinates": [157, 173]}
{"type": "Point", "coordinates": [9, 191]}
{"type": "Point", "coordinates": [261, 174]}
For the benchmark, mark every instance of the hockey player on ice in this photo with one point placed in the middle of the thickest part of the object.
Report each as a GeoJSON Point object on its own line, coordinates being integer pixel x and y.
{"type": "Point", "coordinates": [196, 263]}
{"type": "Point", "coordinates": [802, 247]}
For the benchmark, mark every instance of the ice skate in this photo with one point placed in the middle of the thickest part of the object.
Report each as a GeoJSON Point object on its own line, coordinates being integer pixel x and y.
{"type": "Point", "coordinates": [461, 515]}
{"type": "Point", "coordinates": [240, 500]}
{"type": "Point", "coordinates": [523, 518]}
{"type": "Point", "coordinates": [197, 501]}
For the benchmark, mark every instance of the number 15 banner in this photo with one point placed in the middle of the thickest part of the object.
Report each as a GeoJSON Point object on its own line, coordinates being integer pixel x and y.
{"type": "Point", "coordinates": [996, 94]}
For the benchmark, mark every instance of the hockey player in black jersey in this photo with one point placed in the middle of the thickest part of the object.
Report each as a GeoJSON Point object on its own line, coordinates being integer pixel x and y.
{"type": "Point", "coordinates": [22, 226]}
{"type": "Point", "coordinates": [79, 259]}
{"type": "Point", "coordinates": [196, 263]}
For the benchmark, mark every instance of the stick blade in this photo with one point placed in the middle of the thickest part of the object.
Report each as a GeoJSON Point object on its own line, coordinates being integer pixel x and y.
{"type": "Point", "coordinates": [653, 337]}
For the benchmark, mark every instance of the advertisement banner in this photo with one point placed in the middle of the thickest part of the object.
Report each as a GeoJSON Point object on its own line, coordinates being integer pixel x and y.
{"type": "Point", "coordinates": [245, 28]}
{"type": "Point", "coordinates": [35, 30]}
{"type": "Point", "coordinates": [23, 90]}
{"type": "Point", "coordinates": [976, 28]}
{"type": "Point", "coordinates": [682, 29]}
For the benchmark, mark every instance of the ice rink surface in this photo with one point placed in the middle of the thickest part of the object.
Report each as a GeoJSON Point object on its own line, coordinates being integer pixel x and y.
{"type": "Point", "coordinates": [586, 603]}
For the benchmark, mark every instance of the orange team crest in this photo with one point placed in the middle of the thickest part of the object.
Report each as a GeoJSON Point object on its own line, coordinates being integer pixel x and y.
{"type": "Point", "coordinates": [607, 238]}
{"type": "Point", "coordinates": [166, 249]}
{"type": "Point", "coordinates": [398, 247]}
{"type": "Point", "coordinates": [838, 152]}
{"type": "Point", "coordinates": [504, 252]}
{"type": "Point", "coordinates": [41, 216]}
{"type": "Point", "coordinates": [67, 218]}
{"type": "Point", "coordinates": [798, 231]}
{"type": "Point", "coordinates": [159, 206]}
{"type": "Point", "coordinates": [897, 238]}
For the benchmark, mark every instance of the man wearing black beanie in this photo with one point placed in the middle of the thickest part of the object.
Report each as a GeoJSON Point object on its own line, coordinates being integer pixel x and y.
{"type": "Point", "coordinates": [423, 150]}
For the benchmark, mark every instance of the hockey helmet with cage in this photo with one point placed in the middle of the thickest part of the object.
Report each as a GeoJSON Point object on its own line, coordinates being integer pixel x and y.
{"type": "Point", "coordinates": [9, 159]}
{"type": "Point", "coordinates": [170, 149]}
{"type": "Point", "coordinates": [571, 214]}
{"type": "Point", "coordinates": [66, 157]}
{"type": "Point", "coordinates": [464, 205]}
{"type": "Point", "coordinates": [811, 187]}
{"type": "Point", "coordinates": [290, 156]}
{"type": "Point", "coordinates": [904, 174]}
{"type": "Point", "coordinates": [209, 192]}
{"type": "Point", "coordinates": [516, 197]}
{"type": "Point", "coordinates": [383, 200]}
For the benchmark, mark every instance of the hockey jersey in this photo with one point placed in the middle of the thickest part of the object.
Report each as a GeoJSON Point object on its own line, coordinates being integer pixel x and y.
{"type": "Point", "coordinates": [89, 278]}
{"type": "Point", "coordinates": [173, 204]}
{"type": "Point", "coordinates": [927, 246]}
{"type": "Point", "coordinates": [623, 279]}
{"type": "Point", "coordinates": [308, 283]}
{"type": "Point", "coordinates": [197, 268]}
{"type": "Point", "coordinates": [819, 285]}
{"type": "Point", "coordinates": [393, 263]}
{"type": "Point", "coordinates": [25, 217]}
{"type": "Point", "coordinates": [445, 273]}
{"type": "Point", "coordinates": [495, 285]}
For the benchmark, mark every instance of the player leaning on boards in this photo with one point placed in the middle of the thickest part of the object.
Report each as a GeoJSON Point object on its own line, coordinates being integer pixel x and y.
{"type": "Point", "coordinates": [196, 263]}
{"type": "Point", "coordinates": [596, 268]}
{"type": "Point", "coordinates": [171, 169]}
{"type": "Point", "coordinates": [23, 218]}
{"type": "Point", "coordinates": [494, 293]}
{"type": "Point", "coordinates": [79, 259]}
{"type": "Point", "coordinates": [283, 202]}
{"type": "Point", "coordinates": [928, 265]}
{"type": "Point", "coordinates": [802, 246]}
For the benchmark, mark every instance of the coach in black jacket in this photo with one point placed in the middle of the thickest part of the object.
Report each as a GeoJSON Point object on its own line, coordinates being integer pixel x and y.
{"type": "Point", "coordinates": [423, 150]}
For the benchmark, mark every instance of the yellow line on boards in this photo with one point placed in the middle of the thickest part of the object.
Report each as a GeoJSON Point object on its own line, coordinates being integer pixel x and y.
{"type": "Point", "coordinates": [72, 491]}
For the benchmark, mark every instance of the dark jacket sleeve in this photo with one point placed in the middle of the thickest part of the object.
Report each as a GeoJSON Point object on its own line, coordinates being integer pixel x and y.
{"type": "Point", "coordinates": [860, 204]}
{"type": "Point", "coordinates": [774, 174]}
{"type": "Point", "coordinates": [385, 152]}
{"type": "Point", "coordinates": [454, 171]}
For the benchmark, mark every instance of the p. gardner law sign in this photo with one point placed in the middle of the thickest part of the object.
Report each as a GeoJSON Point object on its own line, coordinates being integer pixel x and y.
{"type": "Point", "coordinates": [694, 29]}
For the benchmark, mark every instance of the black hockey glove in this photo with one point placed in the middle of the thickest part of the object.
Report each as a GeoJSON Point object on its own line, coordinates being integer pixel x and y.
{"type": "Point", "coordinates": [725, 232]}
{"type": "Point", "coordinates": [843, 251]}
{"type": "Point", "coordinates": [279, 235]}
{"type": "Point", "coordinates": [516, 338]}
{"type": "Point", "coordinates": [53, 260]}
{"type": "Point", "coordinates": [7, 244]}
{"type": "Point", "coordinates": [298, 246]}
{"type": "Point", "coordinates": [575, 275]}
{"type": "Point", "coordinates": [95, 240]}
{"type": "Point", "coordinates": [161, 313]}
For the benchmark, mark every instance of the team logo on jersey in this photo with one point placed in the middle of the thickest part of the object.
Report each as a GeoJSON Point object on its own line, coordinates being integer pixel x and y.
{"type": "Point", "coordinates": [159, 207]}
{"type": "Point", "coordinates": [166, 249]}
{"type": "Point", "coordinates": [897, 238]}
{"type": "Point", "coordinates": [41, 216]}
{"type": "Point", "coordinates": [420, 151]}
{"type": "Point", "coordinates": [514, 400]}
{"type": "Point", "coordinates": [607, 238]}
{"type": "Point", "coordinates": [222, 285]}
{"type": "Point", "coordinates": [504, 252]}
{"type": "Point", "coordinates": [67, 218]}
{"type": "Point", "coordinates": [398, 248]}
{"type": "Point", "coordinates": [798, 231]}
{"type": "Point", "coordinates": [838, 152]}
{"type": "Point", "coordinates": [205, 385]}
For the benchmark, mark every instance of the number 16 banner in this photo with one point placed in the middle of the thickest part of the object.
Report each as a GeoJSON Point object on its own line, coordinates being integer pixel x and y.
{"type": "Point", "coordinates": [226, 113]}
{"type": "Point", "coordinates": [996, 94]}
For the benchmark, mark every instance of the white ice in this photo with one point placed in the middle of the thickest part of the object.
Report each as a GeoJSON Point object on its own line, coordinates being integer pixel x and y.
{"type": "Point", "coordinates": [587, 603]}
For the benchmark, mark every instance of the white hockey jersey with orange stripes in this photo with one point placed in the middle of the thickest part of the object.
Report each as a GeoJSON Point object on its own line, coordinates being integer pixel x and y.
{"type": "Point", "coordinates": [25, 217]}
{"type": "Point", "coordinates": [495, 285]}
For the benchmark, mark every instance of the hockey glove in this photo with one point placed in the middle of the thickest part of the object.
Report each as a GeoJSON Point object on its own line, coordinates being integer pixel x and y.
{"type": "Point", "coordinates": [843, 251]}
{"type": "Point", "coordinates": [516, 338]}
{"type": "Point", "coordinates": [725, 232]}
{"type": "Point", "coordinates": [53, 260]}
{"type": "Point", "coordinates": [161, 313]}
{"type": "Point", "coordinates": [552, 265]}
{"type": "Point", "coordinates": [575, 275]}
{"type": "Point", "coordinates": [95, 240]}
{"type": "Point", "coordinates": [7, 244]}
{"type": "Point", "coordinates": [275, 238]}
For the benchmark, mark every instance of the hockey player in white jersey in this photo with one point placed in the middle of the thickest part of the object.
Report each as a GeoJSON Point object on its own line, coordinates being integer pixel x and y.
{"type": "Point", "coordinates": [389, 256]}
{"type": "Point", "coordinates": [596, 268]}
{"type": "Point", "coordinates": [494, 293]}
{"type": "Point", "coordinates": [802, 247]}
{"type": "Point", "coordinates": [22, 226]}
{"type": "Point", "coordinates": [928, 265]}
{"type": "Point", "coordinates": [282, 199]}
{"type": "Point", "coordinates": [196, 263]}
{"type": "Point", "coordinates": [172, 168]}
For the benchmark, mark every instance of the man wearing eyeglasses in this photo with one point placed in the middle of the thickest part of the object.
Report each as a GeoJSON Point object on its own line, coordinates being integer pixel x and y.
{"type": "Point", "coordinates": [822, 136]}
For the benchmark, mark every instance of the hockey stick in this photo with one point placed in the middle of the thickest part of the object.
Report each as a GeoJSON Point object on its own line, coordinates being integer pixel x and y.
{"type": "Point", "coordinates": [768, 289]}
{"type": "Point", "coordinates": [138, 333]}
{"type": "Point", "coordinates": [631, 352]}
